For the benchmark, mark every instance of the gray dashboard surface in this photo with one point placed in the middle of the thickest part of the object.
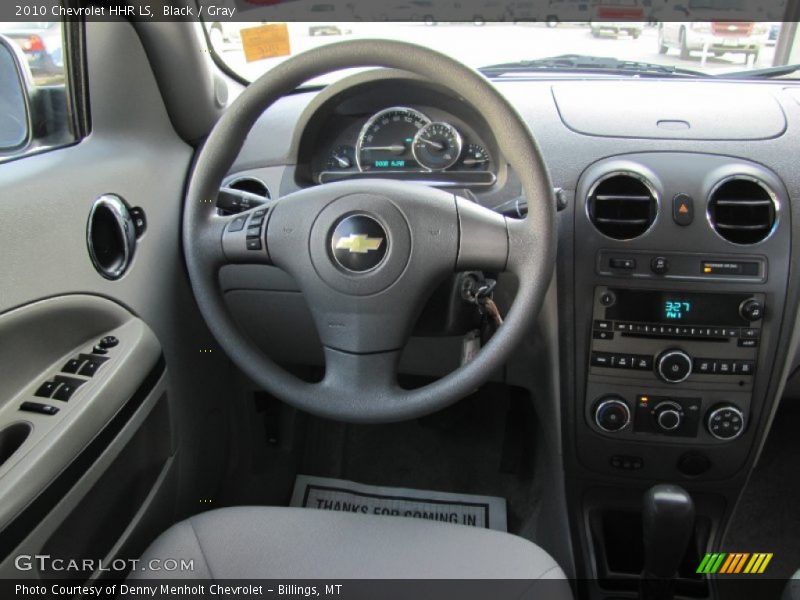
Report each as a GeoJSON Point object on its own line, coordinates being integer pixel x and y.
{"type": "Point", "coordinates": [641, 109]}
{"type": "Point", "coordinates": [567, 151]}
{"type": "Point", "coordinates": [794, 92]}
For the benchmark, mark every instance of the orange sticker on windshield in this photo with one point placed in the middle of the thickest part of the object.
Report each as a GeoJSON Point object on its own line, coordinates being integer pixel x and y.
{"type": "Point", "coordinates": [265, 41]}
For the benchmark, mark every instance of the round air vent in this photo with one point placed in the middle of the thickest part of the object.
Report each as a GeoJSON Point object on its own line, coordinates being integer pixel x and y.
{"type": "Point", "coordinates": [742, 210]}
{"type": "Point", "coordinates": [242, 194]}
{"type": "Point", "coordinates": [622, 206]}
{"type": "Point", "coordinates": [251, 186]}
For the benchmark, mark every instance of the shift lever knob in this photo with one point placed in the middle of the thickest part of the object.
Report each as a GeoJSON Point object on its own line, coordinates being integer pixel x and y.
{"type": "Point", "coordinates": [668, 523]}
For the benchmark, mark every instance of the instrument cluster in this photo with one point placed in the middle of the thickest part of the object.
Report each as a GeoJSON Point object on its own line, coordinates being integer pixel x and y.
{"type": "Point", "coordinates": [406, 143]}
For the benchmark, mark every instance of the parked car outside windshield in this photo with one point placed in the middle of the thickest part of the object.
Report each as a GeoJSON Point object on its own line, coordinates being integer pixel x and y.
{"type": "Point", "coordinates": [708, 47]}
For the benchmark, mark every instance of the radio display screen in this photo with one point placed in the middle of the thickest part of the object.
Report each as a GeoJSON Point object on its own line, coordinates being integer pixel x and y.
{"type": "Point", "coordinates": [685, 308]}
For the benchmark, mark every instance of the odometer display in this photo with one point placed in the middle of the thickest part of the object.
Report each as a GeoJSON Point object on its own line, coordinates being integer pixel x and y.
{"type": "Point", "coordinates": [386, 140]}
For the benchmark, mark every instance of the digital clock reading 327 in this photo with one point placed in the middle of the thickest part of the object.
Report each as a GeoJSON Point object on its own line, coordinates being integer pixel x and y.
{"type": "Point", "coordinates": [675, 310]}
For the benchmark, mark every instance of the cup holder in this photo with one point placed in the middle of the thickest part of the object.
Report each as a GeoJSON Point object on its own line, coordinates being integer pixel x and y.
{"type": "Point", "coordinates": [11, 438]}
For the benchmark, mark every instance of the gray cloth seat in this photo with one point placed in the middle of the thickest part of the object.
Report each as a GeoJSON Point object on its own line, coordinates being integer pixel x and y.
{"type": "Point", "coordinates": [295, 543]}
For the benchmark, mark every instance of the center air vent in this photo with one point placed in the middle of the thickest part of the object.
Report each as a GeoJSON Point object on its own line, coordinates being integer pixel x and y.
{"type": "Point", "coordinates": [622, 206]}
{"type": "Point", "coordinates": [742, 210]}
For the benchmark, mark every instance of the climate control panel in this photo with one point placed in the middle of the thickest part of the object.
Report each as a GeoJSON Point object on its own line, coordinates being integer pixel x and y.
{"type": "Point", "coordinates": [668, 415]}
{"type": "Point", "coordinates": [672, 365]}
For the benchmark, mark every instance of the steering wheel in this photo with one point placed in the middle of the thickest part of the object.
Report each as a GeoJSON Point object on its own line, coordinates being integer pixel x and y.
{"type": "Point", "coordinates": [367, 253]}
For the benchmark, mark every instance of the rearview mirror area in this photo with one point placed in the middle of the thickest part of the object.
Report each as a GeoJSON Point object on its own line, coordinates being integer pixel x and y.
{"type": "Point", "coordinates": [15, 127]}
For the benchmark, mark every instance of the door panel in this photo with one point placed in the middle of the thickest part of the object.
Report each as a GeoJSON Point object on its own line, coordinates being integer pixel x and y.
{"type": "Point", "coordinates": [54, 305]}
{"type": "Point", "coordinates": [36, 346]}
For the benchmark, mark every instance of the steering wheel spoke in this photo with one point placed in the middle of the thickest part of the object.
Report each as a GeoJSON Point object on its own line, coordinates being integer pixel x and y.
{"type": "Point", "coordinates": [244, 239]}
{"type": "Point", "coordinates": [483, 238]}
{"type": "Point", "coordinates": [360, 378]}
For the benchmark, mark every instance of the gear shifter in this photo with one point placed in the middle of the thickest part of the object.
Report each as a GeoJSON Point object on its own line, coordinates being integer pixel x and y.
{"type": "Point", "coordinates": [668, 523]}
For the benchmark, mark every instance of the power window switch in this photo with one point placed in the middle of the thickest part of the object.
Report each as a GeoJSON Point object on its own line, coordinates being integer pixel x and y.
{"type": "Point", "coordinates": [46, 389]}
{"type": "Point", "coordinates": [37, 407]}
{"type": "Point", "coordinates": [72, 366]}
{"type": "Point", "coordinates": [98, 349]}
{"type": "Point", "coordinates": [67, 387]}
{"type": "Point", "coordinates": [90, 367]}
{"type": "Point", "coordinates": [64, 393]}
{"type": "Point", "coordinates": [91, 364]}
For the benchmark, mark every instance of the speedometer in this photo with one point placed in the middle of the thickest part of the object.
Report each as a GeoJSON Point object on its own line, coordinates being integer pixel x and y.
{"type": "Point", "coordinates": [386, 140]}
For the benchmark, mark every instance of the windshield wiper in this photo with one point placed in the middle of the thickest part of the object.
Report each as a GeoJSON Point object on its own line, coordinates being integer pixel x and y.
{"type": "Point", "coordinates": [587, 64]}
{"type": "Point", "coordinates": [767, 73]}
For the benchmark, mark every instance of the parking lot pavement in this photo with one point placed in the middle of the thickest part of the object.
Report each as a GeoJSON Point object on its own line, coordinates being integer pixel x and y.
{"type": "Point", "coordinates": [500, 42]}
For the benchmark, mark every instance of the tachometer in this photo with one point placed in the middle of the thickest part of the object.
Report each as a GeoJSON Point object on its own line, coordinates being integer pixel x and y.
{"type": "Point", "coordinates": [437, 146]}
{"type": "Point", "coordinates": [386, 140]}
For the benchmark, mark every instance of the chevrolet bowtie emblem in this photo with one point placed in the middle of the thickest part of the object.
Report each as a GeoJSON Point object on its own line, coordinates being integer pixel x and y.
{"type": "Point", "coordinates": [358, 243]}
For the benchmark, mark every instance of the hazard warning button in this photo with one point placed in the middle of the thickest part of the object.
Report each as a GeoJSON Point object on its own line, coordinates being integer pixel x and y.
{"type": "Point", "coordinates": [683, 210]}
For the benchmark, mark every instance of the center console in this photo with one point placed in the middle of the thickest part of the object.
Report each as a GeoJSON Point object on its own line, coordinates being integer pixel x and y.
{"type": "Point", "coordinates": [681, 267]}
{"type": "Point", "coordinates": [680, 277]}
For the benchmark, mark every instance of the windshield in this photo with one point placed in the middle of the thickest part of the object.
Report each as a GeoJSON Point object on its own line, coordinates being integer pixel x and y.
{"type": "Point", "coordinates": [712, 48]}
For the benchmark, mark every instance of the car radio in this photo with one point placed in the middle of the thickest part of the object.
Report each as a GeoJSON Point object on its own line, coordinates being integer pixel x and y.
{"type": "Point", "coordinates": [660, 360]}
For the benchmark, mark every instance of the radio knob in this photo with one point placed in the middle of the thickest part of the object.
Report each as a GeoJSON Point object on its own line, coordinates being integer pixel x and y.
{"type": "Point", "coordinates": [669, 416]}
{"type": "Point", "coordinates": [751, 310]}
{"type": "Point", "coordinates": [612, 414]}
{"type": "Point", "coordinates": [725, 422]}
{"type": "Point", "coordinates": [674, 366]}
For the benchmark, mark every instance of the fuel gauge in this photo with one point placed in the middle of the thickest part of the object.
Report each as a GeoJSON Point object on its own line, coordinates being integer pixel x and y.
{"type": "Point", "coordinates": [475, 157]}
{"type": "Point", "coordinates": [343, 157]}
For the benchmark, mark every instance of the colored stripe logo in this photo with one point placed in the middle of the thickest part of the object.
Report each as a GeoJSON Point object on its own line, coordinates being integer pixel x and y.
{"type": "Point", "coordinates": [732, 563]}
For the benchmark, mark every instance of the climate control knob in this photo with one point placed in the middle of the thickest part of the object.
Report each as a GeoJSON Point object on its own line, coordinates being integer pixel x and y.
{"type": "Point", "coordinates": [668, 415]}
{"type": "Point", "coordinates": [674, 366]}
{"type": "Point", "coordinates": [725, 422]}
{"type": "Point", "coordinates": [612, 414]}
